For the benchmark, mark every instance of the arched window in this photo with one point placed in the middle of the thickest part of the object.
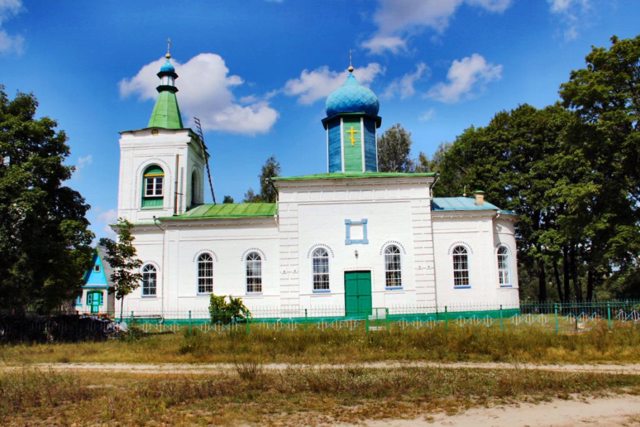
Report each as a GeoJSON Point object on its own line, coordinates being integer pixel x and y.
{"type": "Point", "coordinates": [205, 273]}
{"type": "Point", "coordinates": [504, 278]}
{"type": "Point", "coordinates": [153, 187]}
{"type": "Point", "coordinates": [392, 267]}
{"type": "Point", "coordinates": [254, 272]}
{"type": "Point", "coordinates": [320, 259]}
{"type": "Point", "coordinates": [149, 280]}
{"type": "Point", "coordinates": [460, 266]}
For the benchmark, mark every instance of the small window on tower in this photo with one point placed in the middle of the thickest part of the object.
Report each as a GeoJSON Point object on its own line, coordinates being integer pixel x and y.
{"type": "Point", "coordinates": [153, 183]}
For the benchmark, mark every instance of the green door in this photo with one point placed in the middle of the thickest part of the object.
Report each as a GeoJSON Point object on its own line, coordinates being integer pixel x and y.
{"type": "Point", "coordinates": [94, 300]}
{"type": "Point", "coordinates": [357, 293]}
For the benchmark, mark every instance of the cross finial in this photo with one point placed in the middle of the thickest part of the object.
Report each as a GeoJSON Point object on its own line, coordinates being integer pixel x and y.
{"type": "Point", "coordinates": [350, 63]}
{"type": "Point", "coordinates": [168, 55]}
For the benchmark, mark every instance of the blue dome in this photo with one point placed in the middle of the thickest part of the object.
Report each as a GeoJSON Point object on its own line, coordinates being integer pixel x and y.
{"type": "Point", "coordinates": [352, 97]}
{"type": "Point", "coordinates": [167, 68]}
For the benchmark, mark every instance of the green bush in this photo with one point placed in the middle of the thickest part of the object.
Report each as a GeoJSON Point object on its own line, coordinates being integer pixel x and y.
{"type": "Point", "coordinates": [225, 312]}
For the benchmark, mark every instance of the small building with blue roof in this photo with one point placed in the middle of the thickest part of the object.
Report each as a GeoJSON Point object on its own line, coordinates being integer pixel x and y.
{"type": "Point", "coordinates": [95, 297]}
{"type": "Point", "coordinates": [347, 242]}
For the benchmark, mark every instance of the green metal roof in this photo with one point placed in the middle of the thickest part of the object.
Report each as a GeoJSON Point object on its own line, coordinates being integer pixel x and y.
{"type": "Point", "coordinates": [166, 113]}
{"type": "Point", "coordinates": [227, 211]}
{"type": "Point", "coordinates": [354, 175]}
{"type": "Point", "coordinates": [460, 204]}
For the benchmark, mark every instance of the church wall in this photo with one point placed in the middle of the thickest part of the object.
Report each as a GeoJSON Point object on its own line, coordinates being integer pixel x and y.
{"type": "Point", "coordinates": [228, 243]}
{"type": "Point", "coordinates": [476, 232]}
{"type": "Point", "coordinates": [314, 214]}
{"type": "Point", "coordinates": [504, 234]}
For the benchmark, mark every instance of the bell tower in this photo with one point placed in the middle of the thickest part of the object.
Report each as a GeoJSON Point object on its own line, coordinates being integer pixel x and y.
{"type": "Point", "coordinates": [161, 165]}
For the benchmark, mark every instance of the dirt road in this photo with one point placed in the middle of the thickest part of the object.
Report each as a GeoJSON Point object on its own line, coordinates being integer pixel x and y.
{"type": "Point", "coordinates": [186, 368]}
{"type": "Point", "coordinates": [602, 412]}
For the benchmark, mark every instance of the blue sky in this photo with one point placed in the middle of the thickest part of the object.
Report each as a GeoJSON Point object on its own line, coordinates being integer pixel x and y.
{"type": "Point", "coordinates": [257, 72]}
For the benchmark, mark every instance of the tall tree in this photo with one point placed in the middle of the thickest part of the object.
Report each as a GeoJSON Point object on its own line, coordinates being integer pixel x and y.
{"type": "Point", "coordinates": [605, 97]}
{"type": "Point", "coordinates": [394, 148]}
{"type": "Point", "coordinates": [270, 169]}
{"type": "Point", "coordinates": [45, 246]}
{"type": "Point", "coordinates": [121, 256]}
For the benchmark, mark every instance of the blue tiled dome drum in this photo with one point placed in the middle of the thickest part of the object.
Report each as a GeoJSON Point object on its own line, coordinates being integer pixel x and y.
{"type": "Point", "coordinates": [167, 67]}
{"type": "Point", "coordinates": [352, 97]}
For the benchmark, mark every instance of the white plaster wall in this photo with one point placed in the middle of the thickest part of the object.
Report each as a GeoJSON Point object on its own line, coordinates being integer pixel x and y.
{"type": "Point", "coordinates": [314, 213]}
{"type": "Point", "coordinates": [476, 231]}
{"type": "Point", "coordinates": [140, 149]}
{"type": "Point", "coordinates": [228, 242]}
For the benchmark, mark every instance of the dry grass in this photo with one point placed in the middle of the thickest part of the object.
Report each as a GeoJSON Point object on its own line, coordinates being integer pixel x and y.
{"type": "Point", "coordinates": [312, 345]}
{"type": "Point", "coordinates": [290, 397]}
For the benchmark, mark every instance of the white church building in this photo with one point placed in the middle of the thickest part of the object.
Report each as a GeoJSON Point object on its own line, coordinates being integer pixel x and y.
{"type": "Point", "coordinates": [345, 243]}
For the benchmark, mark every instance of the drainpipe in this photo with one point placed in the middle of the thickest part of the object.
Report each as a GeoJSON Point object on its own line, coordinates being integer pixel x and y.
{"type": "Point", "coordinates": [433, 240]}
{"type": "Point", "coordinates": [164, 265]}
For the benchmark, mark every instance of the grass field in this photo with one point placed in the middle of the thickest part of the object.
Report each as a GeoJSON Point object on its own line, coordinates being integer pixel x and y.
{"type": "Point", "coordinates": [313, 345]}
{"type": "Point", "coordinates": [288, 397]}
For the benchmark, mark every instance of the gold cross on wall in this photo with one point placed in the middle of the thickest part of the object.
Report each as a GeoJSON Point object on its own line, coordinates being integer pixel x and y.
{"type": "Point", "coordinates": [352, 131]}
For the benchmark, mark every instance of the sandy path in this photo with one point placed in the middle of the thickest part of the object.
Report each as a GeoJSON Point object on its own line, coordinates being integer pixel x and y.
{"type": "Point", "coordinates": [603, 412]}
{"type": "Point", "coordinates": [187, 368]}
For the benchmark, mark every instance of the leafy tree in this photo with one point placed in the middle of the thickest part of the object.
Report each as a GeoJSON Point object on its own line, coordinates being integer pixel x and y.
{"type": "Point", "coordinates": [121, 256]}
{"type": "Point", "coordinates": [268, 193]}
{"type": "Point", "coordinates": [225, 312]}
{"type": "Point", "coordinates": [270, 169]}
{"type": "Point", "coordinates": [394, 147]}
{"type": "Point", "coordinates": [251, 197]}
{"type": "Point", "coordinates": [605, 98]}
{"type": "Point", "coordinates": [227, 199]}
{"type": "Point", "coordinates": [45, 246]}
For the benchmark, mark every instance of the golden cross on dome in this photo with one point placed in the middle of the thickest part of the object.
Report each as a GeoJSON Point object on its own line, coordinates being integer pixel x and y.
{"type": "Point", "coordinates": [352, 131]}
{"type": "Point", "coordinates": [168, 55]}
{"type": "Point", "coordinates": [350, 63]}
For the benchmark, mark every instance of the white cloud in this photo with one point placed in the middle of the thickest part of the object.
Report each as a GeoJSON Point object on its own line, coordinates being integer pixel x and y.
{"type": "Point", "coordinates": [105, 219]}
{"type": "Point", "coordinates": [396, 19]}
{"type": "Point", "coordinates": [319, 83]}
{"type": "Point", "coordinates": [8, 42]}
{"type": "Point", "coordinates": [465, 75]}
{"type": "Point", "coordinates": [571, 13]}
{"type": "Point", "coordinates": [84, 161]}
{"type": "Point", "coordinates": [404, 86]}
{"type": "Point", "coordinates": [379, 44]}
{"type": "Point", "coordinates": [427, 115]}
{"type": "Point", "coordinates": [206, 90]}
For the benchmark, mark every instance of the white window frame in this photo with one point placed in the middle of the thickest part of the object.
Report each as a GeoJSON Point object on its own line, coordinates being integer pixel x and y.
{"type": "Point", "coordinates": [460, 267]}
{"type": "Point", "coordinates": [504, 266]}
{"type": "Point", "coordinates": [147, 271]}
{"type": "Point", "coordinates": [204, 266]}
{"type": "Point", "coordinates": [321, 279]}
{"type": "Point", "coordinates": [392, 267]}
{"type": "Point", "coordinates": [153, 191]}
{"type": "Point", "coordinates": [253, 273]}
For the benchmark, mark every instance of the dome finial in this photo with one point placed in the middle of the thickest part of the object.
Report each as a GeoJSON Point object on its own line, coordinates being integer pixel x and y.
{"type": "Point", "coordinates": [350, 63]}
{"type": "Point", "coordinates": [168, 54]}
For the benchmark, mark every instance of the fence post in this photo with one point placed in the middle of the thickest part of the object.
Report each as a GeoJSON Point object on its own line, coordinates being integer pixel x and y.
{"type": "Point", "coordinates": [609, 321]}
{"type": "Point", "coordinates": [305, 313]}
{"type": "Point", "coordinates": [446, 319]}
{"type": "Point", "coordinates": [247, 327]}
{"type": "Point", "coordinates": [366, 325]}
{"type": "Point", "coordinates": [131, 320]}
{"type": "Point", "coordinates": [189, 321]}
{"type": "Point", "coordinates": [386, 317]}
{"type": "Point", "coordinates": [555, 310]}
{"type": "Point", "coordinates": [501, 319]}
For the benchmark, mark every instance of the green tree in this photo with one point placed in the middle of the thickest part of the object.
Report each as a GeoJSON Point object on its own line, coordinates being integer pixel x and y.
{"type": "Point", "coordinates": [605, 98]}
{"type": "Point", "coordinates": [513, 160]}
{"type": "Point", "coordinates": [394, 148]}
{"type": "Point", "coordinates": [251, 197]}
{"type": "Point", "coordinates": [45, 246]}
{"type": "Point", "coordinates": [225, 312]}
{"type": "Point", "coordinates": [227, 199]}
{"type": "Point", "coordinates": [121, 256]}
{"type": "Point", "coordinates": [270, 169]}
